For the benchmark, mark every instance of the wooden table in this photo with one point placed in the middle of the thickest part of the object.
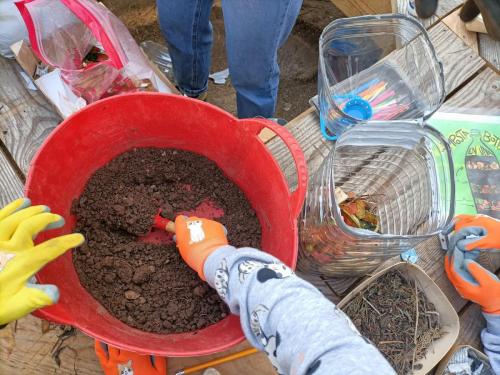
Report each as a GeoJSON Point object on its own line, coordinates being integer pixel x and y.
{"type": "Point", "coordinates": [472, 85]}
{"type": "Point", "coordinates": [488, 48]}
{"type": "Point", "coordinates": [26, 119]}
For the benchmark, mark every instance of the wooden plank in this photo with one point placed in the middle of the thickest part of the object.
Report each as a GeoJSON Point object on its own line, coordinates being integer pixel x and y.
{"type": "Point", "coordinates": [456, 25]}
{"type": "Point", "coordinates": [11, 186]}
{"type": "Point", "coordinates": [322, 285]}
{"type": "Point", "coordinates": [362, 7]}
{"type": "Point", "coordinates": [481, 94]}
{"type": "Point", "coordinates": [431, 259]}
{"type": "Point", "coordinates": [451, 50]}
{"type": "Point", "coordinates": [489, 49]}
{"type": "Point", "coordinates": [447, 6]}
{"type": "Point", "coordinates": [341, 285]}
{"type": "Point", "coordinates": [26, 116]}
{"type": "Point", "coordinates": [254, 364]}
{"type": "Point", "coordinates": [25, 349]}
{"type": "Point", "coordinates": [471, 325]}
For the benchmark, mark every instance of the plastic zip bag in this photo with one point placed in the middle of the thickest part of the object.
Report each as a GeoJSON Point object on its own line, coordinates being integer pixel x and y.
{"type": "Point", "coordinates": [63, 32]}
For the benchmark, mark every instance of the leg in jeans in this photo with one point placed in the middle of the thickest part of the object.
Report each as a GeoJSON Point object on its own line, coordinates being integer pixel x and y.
{"type": "Point", "coordinates": [186, 27]}
{"type": "Point", "coordinates": [255, 29]}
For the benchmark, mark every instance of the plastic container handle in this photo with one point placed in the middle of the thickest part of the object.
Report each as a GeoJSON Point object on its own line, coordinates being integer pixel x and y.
{"type": "Point", "coordinates": [298, 196]}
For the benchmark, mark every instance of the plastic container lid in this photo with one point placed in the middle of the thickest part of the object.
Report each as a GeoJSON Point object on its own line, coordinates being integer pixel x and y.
{"type": "Point", "coordinates": [358, 108]}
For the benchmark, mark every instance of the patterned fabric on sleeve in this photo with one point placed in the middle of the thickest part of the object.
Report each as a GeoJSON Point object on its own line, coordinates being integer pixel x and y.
{"type": "Point", "coordinates": [301, 331]}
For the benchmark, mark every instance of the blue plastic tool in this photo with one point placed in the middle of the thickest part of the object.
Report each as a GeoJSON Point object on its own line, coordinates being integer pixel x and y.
{"type": "Point", "coordinates": [355, 107]}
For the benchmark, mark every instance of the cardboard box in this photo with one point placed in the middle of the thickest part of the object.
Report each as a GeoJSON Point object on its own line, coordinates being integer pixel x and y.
{"type": "Point", "coordinates": [448, 316]}
{"type": "Point", "coordinates": [64, 101]}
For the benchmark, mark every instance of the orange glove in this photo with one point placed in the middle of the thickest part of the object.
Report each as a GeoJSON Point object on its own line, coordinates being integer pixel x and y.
{"type": "Point", "coordinates": [197, 239]}
{"type": "Point", "coordinates": [472, 281]}
{"type": "Point", "coordinates": [485, 227]}
{"type": "Point", "coordinates": [120, 362]}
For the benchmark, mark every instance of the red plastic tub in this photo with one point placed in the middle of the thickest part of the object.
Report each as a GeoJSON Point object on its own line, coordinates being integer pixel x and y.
{"type": "Point", "coordinates": [90, 138]}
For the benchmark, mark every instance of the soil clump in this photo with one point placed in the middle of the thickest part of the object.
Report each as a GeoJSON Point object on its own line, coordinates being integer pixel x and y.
{"type": "Point", "coordinates": [143, 282]}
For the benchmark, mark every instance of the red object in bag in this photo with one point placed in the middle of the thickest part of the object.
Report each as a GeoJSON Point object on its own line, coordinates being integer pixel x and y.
{"type": "Point", "coordinates": [62, 32]}
{"type": "Point", "coordinates": [90, 138]}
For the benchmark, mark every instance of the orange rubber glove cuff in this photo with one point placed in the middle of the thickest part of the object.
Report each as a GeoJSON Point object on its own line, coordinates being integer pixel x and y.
{"type": "Point", "coordinates": [492, 227]}
{"type": "Point", "coordinates": [486, 294]}
{"type": "Point", "coordinates": [116, 361]}
{"type": "Point", "coordinates": [197, 239]}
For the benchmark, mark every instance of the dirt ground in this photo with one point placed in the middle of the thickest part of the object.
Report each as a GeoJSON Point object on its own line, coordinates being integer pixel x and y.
{"type": "Point", "coordinates": [298, 57]}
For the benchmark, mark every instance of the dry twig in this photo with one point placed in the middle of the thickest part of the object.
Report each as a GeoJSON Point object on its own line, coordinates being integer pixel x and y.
{"type": "Point", "coordinates": [397, 328]}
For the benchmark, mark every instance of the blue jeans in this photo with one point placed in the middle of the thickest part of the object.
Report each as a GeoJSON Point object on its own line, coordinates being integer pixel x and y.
{"type": "Point", "coordinates": [255, 30]}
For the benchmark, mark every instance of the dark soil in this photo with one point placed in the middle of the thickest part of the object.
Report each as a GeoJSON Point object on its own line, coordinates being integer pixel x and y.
{"type": "Point", "coordinates": [138, 279]}
{"type": "Point", "coordinates": [395, 315]}
{"type": "Point", "coordinates": [298, 58]}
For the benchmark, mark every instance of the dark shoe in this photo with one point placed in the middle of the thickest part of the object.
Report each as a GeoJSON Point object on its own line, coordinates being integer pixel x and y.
{"type": "Point", "coordinates": [203, 96]}
{"type": "Point", "coordinates": [489, 9]}
{"type": "Point", "coordinates": [426, 8]}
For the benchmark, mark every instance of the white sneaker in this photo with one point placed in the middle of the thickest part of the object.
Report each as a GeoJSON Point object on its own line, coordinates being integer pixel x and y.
{"type": "Point", "coordinates": [211, 371]}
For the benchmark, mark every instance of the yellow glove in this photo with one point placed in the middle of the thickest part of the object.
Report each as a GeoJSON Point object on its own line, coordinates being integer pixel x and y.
{"type": "Point", "coordinates": [20, 259]}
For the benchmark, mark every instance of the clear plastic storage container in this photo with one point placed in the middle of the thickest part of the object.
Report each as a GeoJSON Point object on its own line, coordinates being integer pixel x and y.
{"type": "Point", "coordinates": [376, 68]}
{"type": "Point", "coordinates": [398, 166]}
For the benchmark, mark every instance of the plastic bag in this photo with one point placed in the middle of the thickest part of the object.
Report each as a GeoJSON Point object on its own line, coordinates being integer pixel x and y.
{"type": "Point", "coordinates": [159, 54]}
{"type": "Point", "coordinates": [12, 27]}
{"type": "Point", "coordinates": [68, 34]}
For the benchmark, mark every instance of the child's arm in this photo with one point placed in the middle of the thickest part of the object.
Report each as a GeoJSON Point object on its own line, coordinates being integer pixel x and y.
{"type": "Point", "coordinates": [490, 337]}
{"type": "Point", "coordinates": [299, 329]}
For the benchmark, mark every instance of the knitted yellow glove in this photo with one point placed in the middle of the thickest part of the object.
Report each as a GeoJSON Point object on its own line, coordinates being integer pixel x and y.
{"type": "Point", "coordinates": [20, 259]}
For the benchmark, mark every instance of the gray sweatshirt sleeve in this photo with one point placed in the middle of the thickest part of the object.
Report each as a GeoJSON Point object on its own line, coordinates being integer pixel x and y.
{"type": "Point", "coordinates": [490, 336]}
{"type": "Point", "coordinates": [300, 330]}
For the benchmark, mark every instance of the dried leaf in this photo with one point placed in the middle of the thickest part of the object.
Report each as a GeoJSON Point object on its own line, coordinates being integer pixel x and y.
{"type": "Point", "coordinates": [45, 327]}
{"type": "Point", "coordinates": [349, 207]}
{"type": "Point", "coordinates": [371, 218]}
{"type": "Point", "coordinates": [359, 213]}
{"type": "Point", "coordinates": [350, 219]}
{"type": "Point", "coordinates": [360, 208]}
